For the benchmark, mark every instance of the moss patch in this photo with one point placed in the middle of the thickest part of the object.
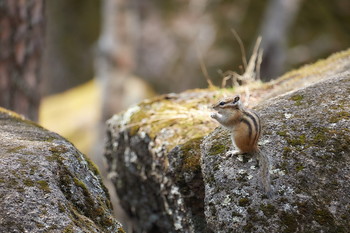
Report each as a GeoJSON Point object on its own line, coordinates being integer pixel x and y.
{"type": "Point", "coordinates": [15, 149]}
{"type": "Point", "coordinates": [297, 141]}
{"type": "Point", "coordinates": [297, 99]}
{"type": "Point", "coordinates": [191, 155]}
{"type": "Point", "coordinates": [217, 149]}
{"type": "Point", "coordinates": [92, 166]}
{"type": "Point", "coordinates": [268, 210]}
{"type": "Point", "coordinates": [182, 117]}
{"type": "Point", "coordinates": [289, 222]}
{"type": "Point", "coordinates": [59, 149]}
{"type": "Point", "coordinates": [299, 167]}
{"type": "Point", "coordinates": [244, 202]}
{"type": "Point", "coordinates": [343, 115]}
{"type": "Point", "coordinates": [323, 217]}
{"type": "Point", "coordinates": [28, 183]}
{"type": "Point", "coordinates": [43, 185]}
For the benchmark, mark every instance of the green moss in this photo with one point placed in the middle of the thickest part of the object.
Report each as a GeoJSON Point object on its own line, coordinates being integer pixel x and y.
{"type": "Point", "coordinates": [23, 161]}
{"type": "Point", "coordinates": [297, 141]}
{"type": "Point", "coordinates": [283, 166]}
{"type": "Point", "coordinates": [52, 228]}
{"type": "Point", "coordinates": [40, 225]}
{"type": "Point", "coordinates": [286, 151]}
{"type": "Point", "coordinates": [323, 217]}
{"type": "Point", "coordinates": [99, 211]}
{"type": "Point", "coordinates": [182, 117]}
{"type": "Point", "coordinates": [49, 139]}
{"type": "Point", "coordinates": [107, 221]}
{"type": "Point", "coordinates": [68, 229]}
{"type": "Point", "coordinates": [289, 221]}
{"type": "Point", "coordinates": [2, 180]}
{"type": "Point", "coordinates": [249, 227]}
{"type": "Point", "coordinates": [191, 155]}
{"type": "Point", "coordinates": [20, 189]}
{"type": "Point", "coordinates": [92, 166]}
{"type": "Point", "coordinates": [59, 149]}
{"type": "Point", "coordinates": [243, 202]}
{"type": "Point", "coordinates": [299, 167]}
{"type": "Point", "coordinates": [323, 136]}
{"type": "Point", "coordinates": [120, 230]}
{"type": "Point", "coordinates": [61, 208]}
{"type": "Point", "coordinates": [268, 210]}
{"type": "Point", "coordinates": [43, 185]}
{"type": "Point", "coordinates": [52, 158]}
{"type": "Point", "coordinates": [297, 99]}
{"type": "Point", "coordinates": [319, 139]}
{"type": "Point", "coordinates": [12, 182]}
{"type": "Point", "coordinates": [33, 170]}
{"type": "Point", "coordinates": [136, 122]}
{"type": "Point", "coordinates": [343, 115]}
{"type": "Point", "coordinates": [15, 149]}
{"type": "Point", "coordinates": [80, 184]}
{"type": "Point", "coordinates": [28, 183]}
{"type": "Point", "coordinates": [282, 133]}
{"type": "Point", "coordinates": [90, 209]}
{"type": "Point", "coordinates": [217, 149]}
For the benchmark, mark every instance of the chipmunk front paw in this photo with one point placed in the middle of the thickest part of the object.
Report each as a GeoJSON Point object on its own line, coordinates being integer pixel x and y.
{"type": "Point", "coordinates": [214, 115]}
{"type": "Point", "coordinates": [232, 153]}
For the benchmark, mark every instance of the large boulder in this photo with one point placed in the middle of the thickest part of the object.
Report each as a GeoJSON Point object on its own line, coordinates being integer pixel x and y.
{"type": "Point", "coordinates": [46, 184]}
{"type": "Point", "coordinates": [307, 140]}
{"type": "Point", "coordinates": [165, 158]}
{"type": "Point", "coordinates": [139, 142]}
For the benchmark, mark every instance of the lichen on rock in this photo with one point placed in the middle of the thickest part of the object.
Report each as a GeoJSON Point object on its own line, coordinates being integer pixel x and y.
{"type": "Point", "coordinates": [145, 146]}
{"type": "Point", "coordinates": [46, 184]}
{"type": "Point", "coordinates": [309, 155]}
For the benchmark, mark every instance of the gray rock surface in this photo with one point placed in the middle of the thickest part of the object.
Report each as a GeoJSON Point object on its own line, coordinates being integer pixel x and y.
{"type": "Point", "coordinates": [307, 139]}
{"type": "Point", "coordinates": [153, 166]}
{"type": "Point", "coordinates": [165, 158]}
{"type": "Point", "coordinates": [46, 184]}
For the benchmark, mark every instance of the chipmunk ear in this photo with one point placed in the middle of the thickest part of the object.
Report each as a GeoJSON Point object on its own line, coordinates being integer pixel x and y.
{"type": "Point", "coordinates": [236, 99]}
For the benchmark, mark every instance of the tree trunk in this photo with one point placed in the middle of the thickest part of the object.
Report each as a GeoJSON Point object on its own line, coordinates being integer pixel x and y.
{"type": "Point", "coordinates": [116, 53]}
{"type": "Point", "coordinates": [21, 44]}
{"type": "Point", "coordinates": [279, 17]}
{"type": "Point", "coordinates": [72, 29]}
{"type": "Point", "coordinates": [114, 66]}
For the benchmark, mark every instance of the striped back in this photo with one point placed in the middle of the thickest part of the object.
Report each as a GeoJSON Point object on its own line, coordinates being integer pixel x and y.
{"type": "Point", "coordinates": [252, 120]}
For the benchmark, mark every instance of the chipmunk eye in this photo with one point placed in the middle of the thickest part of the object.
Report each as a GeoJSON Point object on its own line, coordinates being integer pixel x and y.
{"type": "Point", "coordinates": [221, 103]}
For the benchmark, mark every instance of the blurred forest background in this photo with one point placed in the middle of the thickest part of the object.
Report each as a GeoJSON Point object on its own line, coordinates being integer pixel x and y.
{"type": "Point", "coordinates": [85, 60]}
{"type": "Point", "coordinates": [136, 48]}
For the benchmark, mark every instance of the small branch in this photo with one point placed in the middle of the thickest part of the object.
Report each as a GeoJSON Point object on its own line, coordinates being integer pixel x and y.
{"type": "Point", "coordinates": [203, 67]}
{"type": "Point", "coordinates": [241, 46]}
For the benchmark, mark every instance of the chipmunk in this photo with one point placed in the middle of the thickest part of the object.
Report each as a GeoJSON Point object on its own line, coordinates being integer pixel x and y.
{"type": "Point", "coordinates": [245, 130]}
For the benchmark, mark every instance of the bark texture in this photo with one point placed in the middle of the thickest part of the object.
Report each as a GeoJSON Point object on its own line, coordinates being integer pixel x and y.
{"type": "Point", "coordinates": [21, 45]}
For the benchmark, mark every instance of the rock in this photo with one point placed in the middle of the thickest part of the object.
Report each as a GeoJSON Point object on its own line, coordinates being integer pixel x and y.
{"type": "Point", "coordinates": [164, 158]}
{"type": "Point", "coordinates": [46, 184]}
{"type": "Point", "coordinates": [144, 164]}
{"type": "Point", "coordinates": [306, 137]}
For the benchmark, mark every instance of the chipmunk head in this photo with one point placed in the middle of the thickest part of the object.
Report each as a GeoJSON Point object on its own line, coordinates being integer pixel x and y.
{"type": "Point", "coordinates": [228, 104]}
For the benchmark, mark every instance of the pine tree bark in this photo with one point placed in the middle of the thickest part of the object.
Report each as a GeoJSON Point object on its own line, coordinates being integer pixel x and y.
{"type": "Point", "coordinates": [21, 45]}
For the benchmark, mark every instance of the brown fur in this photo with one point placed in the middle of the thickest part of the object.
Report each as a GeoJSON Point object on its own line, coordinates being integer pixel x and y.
{"type": "Point", "coordinates": [246, 130]}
